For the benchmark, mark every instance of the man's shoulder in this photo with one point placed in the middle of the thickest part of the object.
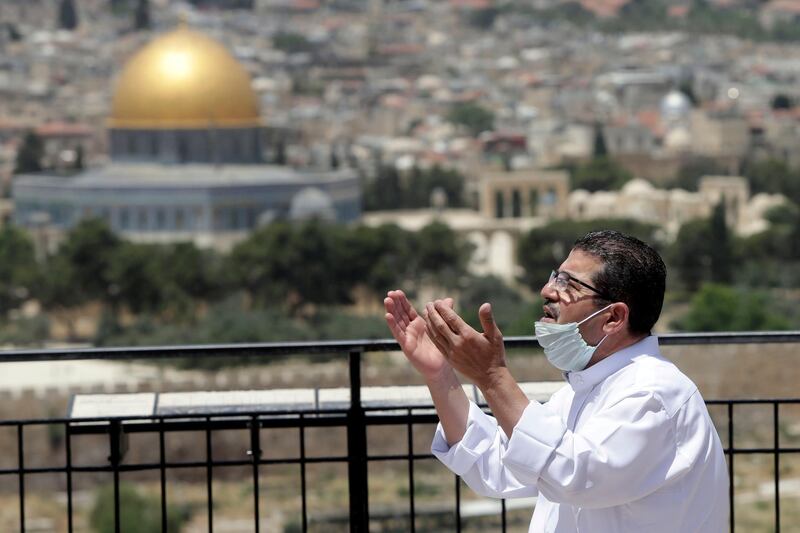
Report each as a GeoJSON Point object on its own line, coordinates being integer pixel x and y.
{"type": "Point", "coordinates": [653, 374]}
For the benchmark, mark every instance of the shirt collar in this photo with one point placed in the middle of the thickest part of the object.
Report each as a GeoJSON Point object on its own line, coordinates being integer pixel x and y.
{"type": "Point", "coordinates": [588, 378]}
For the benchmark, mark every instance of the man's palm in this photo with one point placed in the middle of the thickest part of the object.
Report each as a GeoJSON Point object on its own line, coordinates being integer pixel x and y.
{"type": "Point", "coordinates": [408, 328]}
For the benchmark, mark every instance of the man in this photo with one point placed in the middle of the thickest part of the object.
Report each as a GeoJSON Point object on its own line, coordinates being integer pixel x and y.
{"type": "Point", "coordinates": [626, 446]}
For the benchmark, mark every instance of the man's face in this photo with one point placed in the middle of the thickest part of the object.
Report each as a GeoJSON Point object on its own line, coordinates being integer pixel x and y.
{"type": "Point", "coordinates": [574, 302]}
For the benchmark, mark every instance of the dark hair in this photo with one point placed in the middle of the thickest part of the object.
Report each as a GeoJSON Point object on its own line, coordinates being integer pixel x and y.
{"type": "Point", "coordinates": [633, 273]}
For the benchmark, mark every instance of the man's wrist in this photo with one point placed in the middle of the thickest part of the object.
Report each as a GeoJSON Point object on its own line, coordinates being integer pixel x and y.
{"type": "Point", "coordinates": [444, 378]}
{"type": "Point", "coordinates": [493, 380]}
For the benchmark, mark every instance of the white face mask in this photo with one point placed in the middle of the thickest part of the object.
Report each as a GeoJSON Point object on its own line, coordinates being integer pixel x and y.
{"type": "Point", "coordinates": [564, 345]}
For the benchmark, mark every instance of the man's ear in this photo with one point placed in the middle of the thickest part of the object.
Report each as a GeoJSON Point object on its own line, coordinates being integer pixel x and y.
{"type": "Point", "coordinates": [618, 321]}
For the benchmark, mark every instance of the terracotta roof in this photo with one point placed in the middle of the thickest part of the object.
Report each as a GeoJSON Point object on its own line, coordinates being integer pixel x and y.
{"type": "Point", "coordinates": [470, 4]}
{"type": "Point", "coordinates": [785, 6]}
{"type": "Point", "coordinates": [604, 8]}
{"type": "Point", "coordinates": [679, 11]}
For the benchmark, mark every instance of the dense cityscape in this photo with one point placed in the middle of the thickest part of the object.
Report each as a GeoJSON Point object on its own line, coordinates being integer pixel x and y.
{"type": "Point", "coordinates": [234, 171]}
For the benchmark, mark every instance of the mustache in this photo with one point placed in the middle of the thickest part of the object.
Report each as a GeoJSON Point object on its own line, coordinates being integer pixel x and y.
{"type": "Point", "coordinates": [551, 308]}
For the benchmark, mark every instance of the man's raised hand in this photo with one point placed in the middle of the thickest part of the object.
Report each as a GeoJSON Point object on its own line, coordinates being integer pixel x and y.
{"type": "Point", "coordinates": [408, 329]}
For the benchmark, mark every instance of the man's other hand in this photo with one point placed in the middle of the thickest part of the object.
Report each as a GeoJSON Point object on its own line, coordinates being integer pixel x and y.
{"type": "Point", "coordinates": [476, 355]}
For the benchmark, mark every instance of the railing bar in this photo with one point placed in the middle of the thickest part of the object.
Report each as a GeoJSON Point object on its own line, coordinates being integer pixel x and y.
{"type": "Point", "coordinates": [268, 350]}
{"type": "Point", "coordinates": [209, 478]}
{"type": "Point", "coordinates": [21, 465]}
{"type": "Point", "coordinates": [303, 496]}
{"type": "Point", "coordinates": [357, 477]}
{"type": "Point", "coordinates": [730, 466]}
{"type": "Point", "coordinates": [68, 467]}
{"type": "Point", "coordinates": [255, 451]}
{"type": "Point", "coordinates": [776, 462]}
{"type": "Point", "coordinates": [458, 504]}
{"type": "Point", "coordinates": [114, 437]}
{"type": "Point", "coordinates": [411, 510]}
{"type": "Point", "coordinates": [163, 474]}
{"type": "Point", "coordinates": [195, 421]}
{"type": "Point", "coordinates": [309, 460]}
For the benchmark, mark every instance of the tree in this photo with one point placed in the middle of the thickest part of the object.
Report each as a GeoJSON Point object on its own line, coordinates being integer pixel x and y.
{"type": "Point", "coordinates": [141, 17]}
{"type": "Point", "coordinates": [483, 19]}
{"type": "Point", "coordinates": [67, 15]}
{"type": "Point", "coordinates": [80, 270]}
{"type": "Point", "coordinates": [543, 249]}
{"type": "Point", "coordinates": [19, 272]}
{"type": "Point", "coordinates": [385, 191]}
{"type": "Point", "coordinates": [79, 164]}
{"type": "Point", "coordinates": [135, 275]}
{"type": "Point", "coordinates": [599, 174]}
{"type": "Point", "coordinates": [291, 42]}
{"type": "Point", "coordinates": [773, 176]}
{"type": "Point", "coordinates": [474, 117]}
{"type": "Point", "coordinates": [30, 154]}
{"type": "Point", "coordinates": [722, 308]}
{"type": "Point", "coordinates": [441, 253]}
{"type": "Point", "coordinates": [139, 513]}
{"type": "Point", "coordinates": [280, 153]}
{"type": "Point", "coordinates": [292, 264]}
{"type": "Point", "coordinates": [600, 149]}
{"type": "Point", "coordinates": [781, 101]}
{"type": "Point", "coordinates": [720, 247]}
{"type": "Point", "coordinates": [688, 254]}
{"type": "Point", "coordinates": [693, 169]}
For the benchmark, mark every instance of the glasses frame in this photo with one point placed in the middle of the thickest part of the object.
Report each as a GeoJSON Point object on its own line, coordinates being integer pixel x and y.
{"type": "Point", "coordinates": [558, 275]}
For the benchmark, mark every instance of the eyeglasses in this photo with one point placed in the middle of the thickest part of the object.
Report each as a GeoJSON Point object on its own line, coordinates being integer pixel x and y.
{"type": "Point", "coordinates": [561, 280]}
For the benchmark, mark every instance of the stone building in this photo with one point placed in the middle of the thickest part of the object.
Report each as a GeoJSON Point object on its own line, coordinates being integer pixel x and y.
{"type": "Point", "coordinates": [670, 209]}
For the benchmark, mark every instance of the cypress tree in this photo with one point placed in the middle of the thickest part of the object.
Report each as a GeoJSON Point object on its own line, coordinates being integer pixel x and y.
{"type": "Point", "coordinates": [67, 15]}
{"type": "Point", "coordinates": [600, 149]}
{"type": "Point", "coordinates": [29, 156]}
{"type": "Point", "coordinates": [141, 17]}
{"type": "Point", "coordinates": [720, 247]}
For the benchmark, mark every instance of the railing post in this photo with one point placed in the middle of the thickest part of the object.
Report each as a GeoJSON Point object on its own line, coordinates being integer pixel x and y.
{"type": "Point", "coordinates": [357, 451]}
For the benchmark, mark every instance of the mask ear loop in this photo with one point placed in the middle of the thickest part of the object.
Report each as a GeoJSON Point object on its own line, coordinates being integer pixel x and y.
{"type": "Point", "coordinates": [592, 316]}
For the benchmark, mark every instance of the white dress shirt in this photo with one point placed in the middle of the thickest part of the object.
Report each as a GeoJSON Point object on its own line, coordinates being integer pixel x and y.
{"type": "Point", "coordinates": [626, 446]}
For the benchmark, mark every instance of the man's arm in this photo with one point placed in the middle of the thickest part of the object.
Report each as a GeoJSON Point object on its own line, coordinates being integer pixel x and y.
{"type": "Point", "coordinates": [481, 357]}
{"type": "Point", "coordinates": [408, 328]}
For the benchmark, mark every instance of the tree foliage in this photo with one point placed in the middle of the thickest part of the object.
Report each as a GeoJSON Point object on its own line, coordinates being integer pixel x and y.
{"type": "Point", "coordinates": [141, 16]}
{"type": "Point", "coordinates": [391, 190]}
{"type": "Point", "coordinates": [67, 15]}
{"type": "Point", "coordinates": [694, 168]}
{"type": "Point", "coordinates": [30, 154]}
{"type": "Point", "coordinates": [599, 174]}
{"type": "Point", "coordinates": [722, 308]}
{"type": "Point", "coordinates": [474, 117]}
{"type": "Point", "coordinates": [291, 42]}
{"type": "Point", "coordinates": [322, 264]}
{"type": "Point", "coordinates": [543, 249]}
{"type": "Point", "coordinates": [19, 271]}
{"type": "Point", "coordinates": [139, 513]}
{"type": "Point", "coordinates": [773, 176]}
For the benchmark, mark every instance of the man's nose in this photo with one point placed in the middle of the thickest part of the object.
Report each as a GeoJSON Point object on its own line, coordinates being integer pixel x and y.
{"type": "Point", "coordinates": [549, 292]}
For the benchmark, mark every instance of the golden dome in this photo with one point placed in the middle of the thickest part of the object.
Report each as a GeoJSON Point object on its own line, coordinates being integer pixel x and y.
{"type": "Point", "coordinates": [183, 79]}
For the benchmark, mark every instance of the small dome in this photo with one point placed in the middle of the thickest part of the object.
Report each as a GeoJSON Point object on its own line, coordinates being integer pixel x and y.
{"type": "Point", "coordinates": [678, 139]}
{"type": "Point", "coordinates": [183, 79]}
{"type": "Point", "coordinates": [637, 186]}
{"type": "Point", "coordinates": [312, 202]}
{"type": "Point", "coordinates": [675, 106]}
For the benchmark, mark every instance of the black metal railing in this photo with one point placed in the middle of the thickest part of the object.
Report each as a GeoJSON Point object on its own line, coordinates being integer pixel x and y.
{"type": "Point", "coordinates": [355, 419]}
